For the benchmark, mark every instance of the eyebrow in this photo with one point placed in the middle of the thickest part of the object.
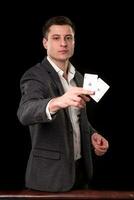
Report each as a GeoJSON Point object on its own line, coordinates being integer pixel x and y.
{"type": "Point", "coordinates": [60, 35]}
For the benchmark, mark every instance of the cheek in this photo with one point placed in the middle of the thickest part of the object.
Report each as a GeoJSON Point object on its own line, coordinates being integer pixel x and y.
{"type": "Point", "coordinates": [50, 48]}
{"type": "Point", "coordinates": [72, 50]}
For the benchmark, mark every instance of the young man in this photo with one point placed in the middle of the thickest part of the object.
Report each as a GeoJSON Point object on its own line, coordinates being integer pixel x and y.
{"type": "Point", "coordinates": [53, 106]}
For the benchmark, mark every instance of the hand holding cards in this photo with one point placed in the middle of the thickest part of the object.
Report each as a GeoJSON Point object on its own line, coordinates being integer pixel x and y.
{"type": "Point", "coordinates": [93, 83]}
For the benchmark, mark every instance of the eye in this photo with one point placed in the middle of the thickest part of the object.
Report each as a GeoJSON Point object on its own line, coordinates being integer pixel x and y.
{"type": "Point", "coordinates": [69, 37]}
{"type": "Point", "coordinates": [55, 38]}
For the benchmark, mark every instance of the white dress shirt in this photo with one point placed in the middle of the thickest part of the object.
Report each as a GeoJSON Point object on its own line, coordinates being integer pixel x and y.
{"type": "Point", "coordinates": [73, 111]}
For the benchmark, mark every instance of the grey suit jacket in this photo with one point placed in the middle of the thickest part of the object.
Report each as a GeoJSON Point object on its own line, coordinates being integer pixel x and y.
{"type": "Point", "coordinates": [51, 162]}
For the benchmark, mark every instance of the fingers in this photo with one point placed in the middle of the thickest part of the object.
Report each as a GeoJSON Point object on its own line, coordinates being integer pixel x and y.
{"type": "Point", "coordinates": [76, 96]}
{"type": "Point", "coordinates": [77, 101]}
{"type": "Point", "coordinates": [99, 152]}
{"type": "Point", "coordinates": [100, 144]}
{"type": "Point", "coordinates": [81, 91]}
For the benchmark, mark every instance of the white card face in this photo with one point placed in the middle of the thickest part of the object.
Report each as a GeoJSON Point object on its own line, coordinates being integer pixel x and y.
{"type": "Point", "coordinates": [102, 88]}
{"type": "Point", "coordinates": [90, 82]}
{"type": "Point", "coordinates": [93, 83]}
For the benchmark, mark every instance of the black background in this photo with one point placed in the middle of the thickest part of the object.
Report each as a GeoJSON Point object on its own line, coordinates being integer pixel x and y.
{"type": "Point", "coordinates": [103, 46]}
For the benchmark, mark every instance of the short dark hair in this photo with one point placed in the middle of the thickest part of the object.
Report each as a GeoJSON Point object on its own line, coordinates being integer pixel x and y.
{"type": "Point", "coordinates": [57, 20]}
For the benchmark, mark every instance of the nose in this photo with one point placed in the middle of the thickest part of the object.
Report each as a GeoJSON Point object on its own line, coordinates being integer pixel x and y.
{"type": "Point", "coordinates": [63, 42]}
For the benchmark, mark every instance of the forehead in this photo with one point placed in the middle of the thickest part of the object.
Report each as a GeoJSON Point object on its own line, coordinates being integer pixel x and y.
{"type": "Point", "coordinates": [61, 30]}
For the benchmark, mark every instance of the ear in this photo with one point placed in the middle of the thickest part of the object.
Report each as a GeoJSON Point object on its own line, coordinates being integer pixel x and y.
{"type": "Point", "coordinates": [44, 43]}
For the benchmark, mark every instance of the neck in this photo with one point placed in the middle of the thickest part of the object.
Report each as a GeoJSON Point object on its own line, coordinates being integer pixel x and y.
{"type": "Point", "coordinates": [63, 65]}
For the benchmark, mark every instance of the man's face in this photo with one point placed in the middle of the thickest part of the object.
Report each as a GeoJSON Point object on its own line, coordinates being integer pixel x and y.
{"type": "Point", "coordinates": [60, 42]}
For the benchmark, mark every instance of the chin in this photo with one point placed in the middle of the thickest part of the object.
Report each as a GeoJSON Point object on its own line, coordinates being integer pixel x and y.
{"type": "Point", "coordinates": [64, 58]}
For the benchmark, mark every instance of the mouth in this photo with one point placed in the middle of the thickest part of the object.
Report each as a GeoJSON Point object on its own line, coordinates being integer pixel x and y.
{"type": "Point", "coordinates": [63, 51]}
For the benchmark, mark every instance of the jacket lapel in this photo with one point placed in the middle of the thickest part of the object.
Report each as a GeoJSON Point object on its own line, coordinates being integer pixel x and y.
{"type": "Point", "coordinates": [54, 76]}
{"type": "Point", "coordinates": [56, 81]}
{"type": "Point", "coordinates": [78, 79]}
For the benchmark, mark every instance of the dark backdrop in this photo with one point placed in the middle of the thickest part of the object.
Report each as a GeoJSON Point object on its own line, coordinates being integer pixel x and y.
{"type": "Point", "coordinates": [103, 46]}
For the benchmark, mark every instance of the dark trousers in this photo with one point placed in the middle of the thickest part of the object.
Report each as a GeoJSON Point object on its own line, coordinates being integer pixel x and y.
{"type": "Point", "coordinates": [80, 176]}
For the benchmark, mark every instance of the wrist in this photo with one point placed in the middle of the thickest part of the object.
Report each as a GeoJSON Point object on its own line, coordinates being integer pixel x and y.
{"type": "Point", "coordinates": [54, 105]}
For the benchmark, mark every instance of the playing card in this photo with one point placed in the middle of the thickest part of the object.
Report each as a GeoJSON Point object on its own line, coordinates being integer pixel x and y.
{"type": "Point", "coordinates": [102, 88]}
{"type": "Point", "coordinates": [90, 82]}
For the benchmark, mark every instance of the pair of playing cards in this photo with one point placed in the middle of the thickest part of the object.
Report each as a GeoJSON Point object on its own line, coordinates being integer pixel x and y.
{"type": "Point", "coordinates": [93, 83]}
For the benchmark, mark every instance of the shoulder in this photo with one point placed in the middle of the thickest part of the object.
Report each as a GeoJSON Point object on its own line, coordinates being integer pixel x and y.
{"type": "Point", "coordinates": [37, 71]}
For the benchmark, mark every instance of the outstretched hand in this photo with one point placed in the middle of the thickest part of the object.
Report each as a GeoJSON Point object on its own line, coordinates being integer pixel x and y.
{"type": "Point", "coordinates": [75, 96]}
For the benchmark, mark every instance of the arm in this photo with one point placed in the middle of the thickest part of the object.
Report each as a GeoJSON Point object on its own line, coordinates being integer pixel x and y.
{"type": "Point", "coordinates": [99, 143]}
{"type": "Point", "coordinates": [33, 101]}
{"type": "Point", "coordinates": [35, 98]}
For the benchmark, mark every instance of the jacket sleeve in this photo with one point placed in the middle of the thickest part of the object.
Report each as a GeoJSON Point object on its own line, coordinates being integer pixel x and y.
{"type": "Point", "coordinates": [34, 99]}
{"type": "Point", "coordinates": [91, 129]}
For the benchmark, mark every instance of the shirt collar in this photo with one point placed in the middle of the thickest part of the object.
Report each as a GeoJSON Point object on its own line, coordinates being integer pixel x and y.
{"type": "Point", "coordinates": [71, 71]}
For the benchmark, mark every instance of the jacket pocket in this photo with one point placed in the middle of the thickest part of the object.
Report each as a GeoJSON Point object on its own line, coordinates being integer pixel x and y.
{"type": "Point", "coordinates": [46, 154]}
